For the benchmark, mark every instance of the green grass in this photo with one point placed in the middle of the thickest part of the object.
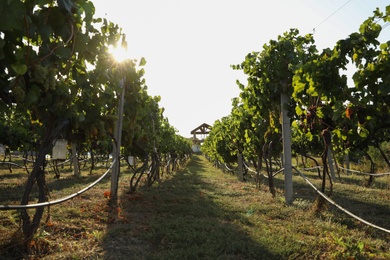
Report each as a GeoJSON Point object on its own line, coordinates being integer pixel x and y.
{"type": "Point", "coordinates": [202, 213]}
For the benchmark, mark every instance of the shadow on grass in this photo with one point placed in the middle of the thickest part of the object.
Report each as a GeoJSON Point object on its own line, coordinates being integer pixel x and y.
{"type": "Point", "coordinates": [12, 190]}
{"type": "Point", "coordinates": [7, 176]}
{"type": "Point", "coordinates": [372, 212]}
{"type": "Point", "coordinates": [375, 213]}
{"type": "Point", "coordinates": [181, 219]}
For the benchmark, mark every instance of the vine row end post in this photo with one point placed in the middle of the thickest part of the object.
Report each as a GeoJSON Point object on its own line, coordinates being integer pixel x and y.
{"type": "Point", "coordinates": [286, 134]}
{"type": "Point", "coordinates": [117, 148]}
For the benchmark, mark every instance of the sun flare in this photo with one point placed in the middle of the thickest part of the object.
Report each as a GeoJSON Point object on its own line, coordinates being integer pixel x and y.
{"type": "Point", "coordinates": [119, 53]}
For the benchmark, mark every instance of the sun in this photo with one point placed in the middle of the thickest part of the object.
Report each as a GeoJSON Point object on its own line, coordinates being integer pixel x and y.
{"type": "Point", "coordinates": [120, 54]}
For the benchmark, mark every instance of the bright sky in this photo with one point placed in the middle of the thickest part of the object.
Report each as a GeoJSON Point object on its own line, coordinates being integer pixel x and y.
{"type": "Point", "coordinates": [190, 45]}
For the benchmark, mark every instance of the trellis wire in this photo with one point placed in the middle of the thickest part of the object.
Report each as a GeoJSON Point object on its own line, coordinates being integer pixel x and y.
{"type": "Point", "coordinates": [249, 169]}
{"type": "Point", "coordinates": [349, 170]}
{"type": "Point", "coordinates": [52, 165]}
{"type": "Point", "coordinates": [49, 164]}
{"type": "Point", "coordinates": [230, 170]}
{"type": "Point", "coordinates": [12, 164]}
{"type": "Point", "coordinates": [365, 173]}
{"type": "Point", "coordinates": [312, 168]}
{"type": "Point", "coordinates": [50, 203]}
{"type": "Point", "coordinates": [338, 206]}
{"type": "Point", "coordinates": [265, 176]}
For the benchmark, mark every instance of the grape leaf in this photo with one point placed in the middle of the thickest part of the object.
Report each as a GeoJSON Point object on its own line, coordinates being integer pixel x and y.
{"type": "Point", "coordinates": [19, 68]}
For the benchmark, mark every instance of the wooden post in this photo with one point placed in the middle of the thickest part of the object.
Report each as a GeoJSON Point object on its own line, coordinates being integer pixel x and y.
{"type": "Point", "coordinates": [240, 170]}
{"type": "Point", "coordinates": [347, 164]}
{"type": "Point", "coordinates": [117, 148]}
{"type": "Point", "coordinates": [330, 162]}
{"type": "Point", "coordinates": [75, 162]}
{"type": "Point", "coordinates": [286, 133]}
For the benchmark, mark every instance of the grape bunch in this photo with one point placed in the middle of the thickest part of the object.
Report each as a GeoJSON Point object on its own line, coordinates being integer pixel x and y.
{"type": "Point", "coordinates": [18, 93]}
{"type": "Point", "coordinates": [44, 76]}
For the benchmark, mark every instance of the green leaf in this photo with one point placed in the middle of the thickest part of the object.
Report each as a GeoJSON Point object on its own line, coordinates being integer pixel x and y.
{"type": "Point", "coordinates": [309, 136]}
{"type": "Point", "coordinates": [247, 137]}
{"type": "Point", "coordinates": [337, 113]}
{"type": "Point", "coordinates": [45, 31]}
{"type": "Point", "coordinates": [11, 14]}
{"type": "Point", "coordinates": [383, 46]}
{"type": "Point", "coordinates": [387, 17]}
{"type": "Point", "coordinates": [89, 9]}
{"type": "Point", "coordinates": [32, 96]}
{"type": "Point", "coordinates": [337, 132]}
{"type": "Point", "coordinates": [66, 5]}
{"type": "Point", "coordinates": [363, 132]}
{"type": "Point", "coordinates": [319, 112]}
{"type": "Point", "coordinates": [370, 67]}
{"type": "Point", "coordinates": [64, 53]}
{"type": "Point", "coordinates": [312, 91]}
{"type": "Point", "coordinates": [355, 57]}
{"type": "Point", "coordinates": [294, 124]}
{"type": "Point", "coordinates": [19, 68]}
{"type": "Point", "coordinates": [299, 87]}
{"type": "Point", "coordinates": [298, 110]}
{"type": "Point", "coordinates": [142, 62]}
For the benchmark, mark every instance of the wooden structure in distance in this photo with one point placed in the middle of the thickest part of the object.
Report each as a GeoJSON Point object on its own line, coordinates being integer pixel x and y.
{"type": "Point", "coordinates": [203, 129]}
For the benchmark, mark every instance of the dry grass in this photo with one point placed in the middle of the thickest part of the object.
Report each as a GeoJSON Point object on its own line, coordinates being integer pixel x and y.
{"type": "Point", "coordinates": [201, 213]}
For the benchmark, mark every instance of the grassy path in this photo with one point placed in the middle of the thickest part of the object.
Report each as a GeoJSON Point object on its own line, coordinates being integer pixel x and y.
{"type": "Point", "coordinates": [203, 213]}
{"type": "Point", "coordinates": [191, 215]}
